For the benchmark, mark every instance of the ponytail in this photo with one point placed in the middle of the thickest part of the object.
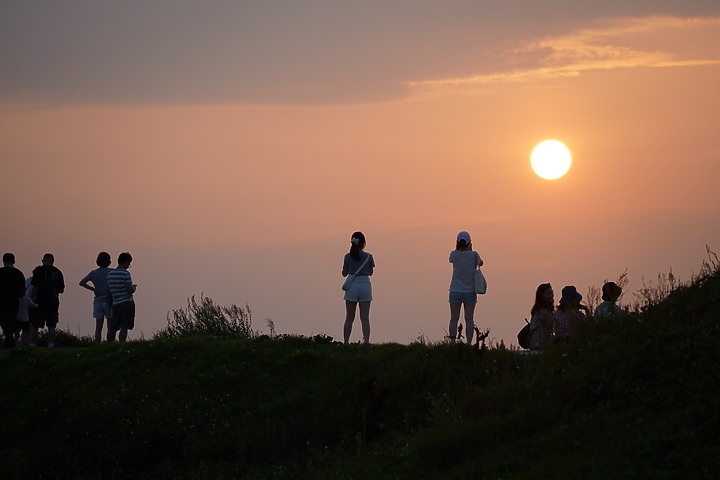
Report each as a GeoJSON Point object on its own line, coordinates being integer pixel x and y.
{"type": "Point", "coordinates": [358, 243]}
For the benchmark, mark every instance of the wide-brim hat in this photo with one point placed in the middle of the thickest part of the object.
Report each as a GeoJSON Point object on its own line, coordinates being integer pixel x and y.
{"type": "Point", "coordinates": [570, 293]}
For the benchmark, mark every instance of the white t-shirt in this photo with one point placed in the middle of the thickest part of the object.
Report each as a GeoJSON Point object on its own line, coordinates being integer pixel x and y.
{"type": "Point", "coordinates": [463, 277]}
{"type": "Point", "coordinates": [607, 308]}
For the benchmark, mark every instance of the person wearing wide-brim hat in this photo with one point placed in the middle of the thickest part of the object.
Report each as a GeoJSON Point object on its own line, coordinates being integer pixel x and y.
{"type": "Point", "coordinates": [568, 314]}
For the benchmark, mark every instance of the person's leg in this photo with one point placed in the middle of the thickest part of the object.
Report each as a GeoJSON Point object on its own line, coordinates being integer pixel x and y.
{"type": "Point", "coordinates": [25, 336]}
{"type": "Point", "coordinates": [52, 331]}
{"type": "Point", "coordinates": [349, 319]}
{"type": "Point", "coordinates": [7, 322]}
{"type": "Point", "coordinates": [122, 335]}
{"type": "Point", "coordinates": [365, 320]}
{"type": "Point", "coordinates": [52, 325]}
{"type": "Point", "coordinates": [113, 323]}
{"type": "Point", "coordinates": [98, 329]}
{"type": "Point", "coordinates": [32, 336]}
{"type": "Point", "coordinates": [454, 317]}
{"type": "Point", "coordinates": [469, 321]}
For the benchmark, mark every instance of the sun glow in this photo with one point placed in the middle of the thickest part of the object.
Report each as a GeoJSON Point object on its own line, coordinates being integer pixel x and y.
{"type": "Point", "coordinates": [550, 159]}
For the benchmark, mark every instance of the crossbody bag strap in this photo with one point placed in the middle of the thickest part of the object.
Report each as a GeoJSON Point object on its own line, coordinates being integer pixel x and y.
{"type": "Point", "coordinates": [362, 264]}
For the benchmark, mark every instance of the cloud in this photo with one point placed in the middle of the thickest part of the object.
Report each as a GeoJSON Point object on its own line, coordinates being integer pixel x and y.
{"type": "Point", "coordinates": [619, 44]}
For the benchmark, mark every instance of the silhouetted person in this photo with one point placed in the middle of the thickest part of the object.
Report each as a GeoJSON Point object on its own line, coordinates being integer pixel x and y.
{"type": "Point", "coordinates": [610, 294]}
{"type": "Point", "coordinates": [102, 307]}
{"type": "Point", "coordinates": [123, 304]}
{"type": "Point", "coordinates": [462, 286]}
{"type": "Point", "coordinates": [360, 291]}
{"type": "Point", "coordinates": [12, 289]}
{"type": "Point", "coordinates": [22, 320]}
{"type": "Point", "coordinates": [541, 323]}
{"type": "Point", "coordinates": [47, 285]}
{"type": "Point", "coordinates": [568, 315]}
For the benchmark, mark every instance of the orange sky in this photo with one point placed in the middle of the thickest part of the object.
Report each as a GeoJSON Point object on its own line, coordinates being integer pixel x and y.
{"type": "Point", "coordinates": [254, 200]}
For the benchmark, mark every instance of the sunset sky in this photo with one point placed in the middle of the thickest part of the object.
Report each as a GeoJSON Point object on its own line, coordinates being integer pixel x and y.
{"type": "Point", "coordinates": [233, 148]}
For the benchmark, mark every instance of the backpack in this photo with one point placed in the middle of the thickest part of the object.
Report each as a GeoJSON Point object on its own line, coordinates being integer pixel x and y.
{"type": "Point", "coordinates": [524, 335]}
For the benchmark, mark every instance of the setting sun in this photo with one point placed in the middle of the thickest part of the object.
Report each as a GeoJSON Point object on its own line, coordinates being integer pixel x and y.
{"type": "Point", "coordinates": [550, 159]}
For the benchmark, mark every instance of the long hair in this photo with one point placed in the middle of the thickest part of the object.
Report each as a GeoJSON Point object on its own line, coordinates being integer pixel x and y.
{"type": "Point", "coordinates": [461, 245]}
{"type": "Point", "coordinates": [358, 243]}
{"type": "Point", "coordinates": [540, 301]}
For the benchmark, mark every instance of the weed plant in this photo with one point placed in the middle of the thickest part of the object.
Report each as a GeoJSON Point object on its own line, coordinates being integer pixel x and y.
{"type": "Point", "coordinates": [207, 318]}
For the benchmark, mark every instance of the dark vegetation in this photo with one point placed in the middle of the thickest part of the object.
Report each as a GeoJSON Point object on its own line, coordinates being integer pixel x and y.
{"type": "Point", "coordinates": [633, 397]}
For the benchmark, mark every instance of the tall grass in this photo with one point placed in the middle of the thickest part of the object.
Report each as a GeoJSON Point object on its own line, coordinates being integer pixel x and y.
{"type": "Point", "coordinates": [205, 317]}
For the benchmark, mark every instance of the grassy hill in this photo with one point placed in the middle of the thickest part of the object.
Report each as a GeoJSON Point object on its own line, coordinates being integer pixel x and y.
{"type": "Point", "coordinates": [634, 397]}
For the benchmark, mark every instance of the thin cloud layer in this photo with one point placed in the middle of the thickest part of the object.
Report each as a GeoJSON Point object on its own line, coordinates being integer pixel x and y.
{"type": "Point", "coordinates": [620, 44]}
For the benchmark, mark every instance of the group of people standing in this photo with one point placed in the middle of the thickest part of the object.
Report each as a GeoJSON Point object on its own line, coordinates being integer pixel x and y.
{"type": "Point", "coordinates": [549, 325]}
{"type": "Point", "coordinates": [18, 297]}
{"type": "Point", "coordinates": [462, 295]}
{"type": "Point", "coordinates": [114, 301]}
{"type": "Point", "coordinates": [28, 305]}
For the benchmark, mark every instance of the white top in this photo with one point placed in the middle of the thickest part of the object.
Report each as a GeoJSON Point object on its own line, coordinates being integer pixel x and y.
{"type": "Point", "coordinates": [464, 265]}
{"type": "Point", "coordinates": [607, 308]}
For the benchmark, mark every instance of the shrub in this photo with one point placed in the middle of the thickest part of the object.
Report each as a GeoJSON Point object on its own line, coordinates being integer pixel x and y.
{"type": "Point", "coordinates": [207, 318]}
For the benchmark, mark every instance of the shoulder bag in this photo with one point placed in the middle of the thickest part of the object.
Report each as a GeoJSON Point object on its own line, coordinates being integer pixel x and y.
{"type": "Point", "coordinates": [480, 282]}
{"type": "Point", "coordinates": [348, 281]}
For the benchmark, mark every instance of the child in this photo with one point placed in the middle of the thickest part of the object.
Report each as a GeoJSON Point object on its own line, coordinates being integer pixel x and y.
{"type": "Point", "coordinates": [22, 321]}
{"type": "Point", "coordinates": [611, 293]}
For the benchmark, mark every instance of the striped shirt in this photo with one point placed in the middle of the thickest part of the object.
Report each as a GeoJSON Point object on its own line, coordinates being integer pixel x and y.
{"type": "Point", "coordinates": [118, 281]}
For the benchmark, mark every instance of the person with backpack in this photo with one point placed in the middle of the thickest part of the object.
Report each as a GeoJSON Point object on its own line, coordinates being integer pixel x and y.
{"type": "Point", "coordinates": [541, 322]}
{"type": "Point", "coordinates": [47, 285]}
{"type": "Point", "coordinates": [361, 265]}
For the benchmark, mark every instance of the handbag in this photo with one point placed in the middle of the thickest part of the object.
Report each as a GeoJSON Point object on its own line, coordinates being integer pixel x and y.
{"type": "Point", "coordinates": [480, 282]}
{"type": "Point", "coordinates": [348, 281]}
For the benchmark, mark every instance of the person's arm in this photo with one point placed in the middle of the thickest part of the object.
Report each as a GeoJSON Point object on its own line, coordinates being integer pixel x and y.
{"type": "Point", "coordinates": [61, 287]}
{"type": "Point", "coordinates": [130, 286]}
{"type": "Point", "coordinates": [478, 261]}
{"type": "Point", "coordinates": [84, 283]}
{"type": "Point", "coordinates": [345, 269]}
{"type": "Point", "coordinates": [33, 288]}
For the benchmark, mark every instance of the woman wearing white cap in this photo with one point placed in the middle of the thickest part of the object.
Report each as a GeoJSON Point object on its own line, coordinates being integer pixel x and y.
{"type": "Point", "coordinates": [360, 264]}
{"type": "Point", "coordinates": [462, 287]}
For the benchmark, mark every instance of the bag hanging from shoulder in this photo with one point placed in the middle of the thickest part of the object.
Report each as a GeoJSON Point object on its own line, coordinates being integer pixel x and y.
{"type": "Point", "coordinates": [480, 282]}
{"type": "Point", "coordinates": [349, 279]}
{"type": "Point", "coordinates": [524, 335]}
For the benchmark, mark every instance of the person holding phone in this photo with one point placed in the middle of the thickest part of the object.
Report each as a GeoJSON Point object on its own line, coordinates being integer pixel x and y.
{"type": "Point", "coordinates": [121, 290]}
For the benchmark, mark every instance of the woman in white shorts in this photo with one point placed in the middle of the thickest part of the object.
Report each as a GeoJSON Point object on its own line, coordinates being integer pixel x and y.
{"type": "Point", "coordinates": [102, 305]}
{"type": "Point", "coordinates": [462, 286]}
{"type": "Point", "coordinates": [360, 291]}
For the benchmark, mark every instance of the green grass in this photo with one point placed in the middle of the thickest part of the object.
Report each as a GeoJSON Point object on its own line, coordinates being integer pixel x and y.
{"type": "Point", "coordinates": [634, 397]}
